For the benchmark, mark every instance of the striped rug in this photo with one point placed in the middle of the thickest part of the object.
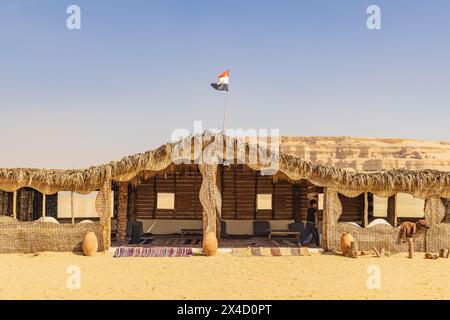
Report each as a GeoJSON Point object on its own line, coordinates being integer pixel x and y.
{"type": "Point", "coordinates": [122, 252]}
{"type": "Point", "coordinates": [269, 252]}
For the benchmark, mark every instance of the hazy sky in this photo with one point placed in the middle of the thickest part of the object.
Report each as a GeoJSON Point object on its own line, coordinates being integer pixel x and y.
{"type": "Point", "coordinates": [137, 70]}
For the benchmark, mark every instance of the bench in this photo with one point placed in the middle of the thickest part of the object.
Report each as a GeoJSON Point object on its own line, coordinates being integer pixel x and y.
{"type": "Point", "coordinates": [191, 232]}
{"type": "Point", "coordinates": [284, 233]}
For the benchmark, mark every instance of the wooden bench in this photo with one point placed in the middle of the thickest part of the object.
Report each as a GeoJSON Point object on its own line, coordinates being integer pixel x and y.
{"type": "Point", "coordinates": [191, 232]}
{"type": "Point", "coordinates": [284, 233]}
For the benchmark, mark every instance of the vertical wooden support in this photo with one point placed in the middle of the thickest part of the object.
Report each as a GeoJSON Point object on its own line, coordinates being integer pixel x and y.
{"type": "Point", "coordinates": [235, 193]}
{"type": "Point", "coordinates": [395, 211]}
{"type": "Point", "coordinates": [366, 210]}
{"type": "Point", "coordinates": [325, 219]}
{"type": "Point", "coordinates": [72, 209]}
{"type": "Point", "coordinates": [392, 211]}
{"type": "Point", "coordinates": [44, 206]}
{"type": "Point", "coordinates": [175, 194]}
{"type": "Point", "coordinates": [131, 210]}
{"type": "Point", "coordinates": [155, 197]}
{"type": "Point", "coordinates": [15, 204]}
{"type": "Point", "coordinates": [410, 248]}
{"type": "Point", "coordinates": [195, 194]}
{"type": "Point", "coordinates": [255, 200]}
{"type": "Point", "coordinates": [122, 212]}
{"type": "Point", "coordinates": [273, 199]}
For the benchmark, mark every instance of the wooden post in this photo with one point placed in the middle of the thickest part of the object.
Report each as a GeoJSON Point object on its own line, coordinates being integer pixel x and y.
{"type": "Point", "coordinates": [354, 249]}
{"type": "Point", "coordinates": [410, 247]}
{"type": "Point", "coordinates": [392, 210]}
{"type": "Point", "coordinates": [72, 213]}
{"type": "Point", "coordinates": [15, 205]}
{"type": "Point", "coordinates": [44, 198]}
{"type": "Point", "coordinates": [255, 200]}
{"type": "Point", "coordinates": [155, 197]}
{"type": "Point", "coordinates": [175, 194]}
{"type": "Point", "coordinates": [235, 197]}
{"type": "Point", "coordinates": [395, 211]}
{"type": "Point", "coordinates": [444, 253]}
{"type": "Point", "coordinates": [366, 210]}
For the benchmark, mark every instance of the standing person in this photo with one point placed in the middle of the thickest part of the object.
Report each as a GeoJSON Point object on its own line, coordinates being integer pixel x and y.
{"type": "Point", "coordinates": [312, 223]}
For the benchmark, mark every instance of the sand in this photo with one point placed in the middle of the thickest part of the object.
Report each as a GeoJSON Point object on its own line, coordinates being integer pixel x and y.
{"type": "Point", "coordinates": [222, 277]}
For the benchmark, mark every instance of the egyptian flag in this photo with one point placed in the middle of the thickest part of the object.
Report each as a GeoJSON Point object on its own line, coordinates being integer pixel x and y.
{"type": "Point", "coordinates": [222, 85]}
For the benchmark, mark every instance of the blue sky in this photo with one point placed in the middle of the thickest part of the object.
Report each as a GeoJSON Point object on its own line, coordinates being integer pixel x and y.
{"type": "Point", "coordinates": [137, 70]}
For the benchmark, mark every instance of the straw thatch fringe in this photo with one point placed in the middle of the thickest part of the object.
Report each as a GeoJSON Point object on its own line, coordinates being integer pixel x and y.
{"type": "Point", "coordinates": [423, 184]}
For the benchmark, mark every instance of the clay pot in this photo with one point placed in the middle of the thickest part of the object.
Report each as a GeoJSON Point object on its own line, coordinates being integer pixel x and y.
{"type": "Point", "coordinates": [210, 244]}
{"type": "Point", "coordinates": [346, 242]}
{"type": "Point", "coordinates": [90, 244]}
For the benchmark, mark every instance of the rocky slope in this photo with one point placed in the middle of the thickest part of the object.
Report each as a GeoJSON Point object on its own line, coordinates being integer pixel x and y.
{"type": "Point", "coordinates": [370, 153]}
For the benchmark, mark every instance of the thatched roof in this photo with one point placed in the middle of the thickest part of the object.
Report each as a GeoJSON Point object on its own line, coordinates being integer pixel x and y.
{"type": "Point", "coordinates": [423, 183]}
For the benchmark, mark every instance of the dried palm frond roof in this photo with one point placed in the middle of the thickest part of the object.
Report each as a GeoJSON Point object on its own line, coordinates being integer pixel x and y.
{"type": "Point", "coordinates": [423, 182]}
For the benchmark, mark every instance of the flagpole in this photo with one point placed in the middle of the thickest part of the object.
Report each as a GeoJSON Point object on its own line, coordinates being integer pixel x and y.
{"type": "Point", "coordinates": [225, 113]}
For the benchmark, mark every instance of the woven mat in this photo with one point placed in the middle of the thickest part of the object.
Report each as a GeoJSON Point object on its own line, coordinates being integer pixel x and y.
{"type": "Point", "coordinates": [269, 252]}
{"type": "Point", "coordinates": [122, 252]}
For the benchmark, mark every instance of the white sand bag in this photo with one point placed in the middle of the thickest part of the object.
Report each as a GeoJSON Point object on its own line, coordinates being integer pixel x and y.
{"type": "Point", "coordinates": [377, 222]}
{"type": "Point", "coordinates": [47, 219]}
{"type": "Point", "coordinates": [354, 224]}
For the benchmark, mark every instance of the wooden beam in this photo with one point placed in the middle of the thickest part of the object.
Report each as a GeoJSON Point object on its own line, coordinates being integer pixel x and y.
{"type": "Point", "coordinates": [155, 197]}
{"type": "Point", "coordinates": [235, 193]}
{"type": "Point", "coordinates": [15, 205]}
{"type": "Point", "coordinates": [255, 204]}
{"type": "Point", "coordinates": [195, 194]}
{"type": "Point", "coordinates": [175, 194]}
{"type": "Point", "coordinates": [366, 210]}
{"type": "Point", "coordinates": [44, 200]}
{"type": "Point", "coordinates": [395, 211]}
{"type": "Point", "coordinates": [273, 200]}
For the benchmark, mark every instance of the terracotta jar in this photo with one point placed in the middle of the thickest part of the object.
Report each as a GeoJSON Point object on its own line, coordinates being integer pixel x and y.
{"type": "Point", "coordinates": [346, 242]}
{"type": "Point", "coordinates": [210, 244]}
{"type": "Point", "coordinates": [90, 244]}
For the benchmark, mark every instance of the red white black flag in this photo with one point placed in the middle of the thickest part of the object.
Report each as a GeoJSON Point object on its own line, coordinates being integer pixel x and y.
{"type": "Point", "coordinates": [222, 85]}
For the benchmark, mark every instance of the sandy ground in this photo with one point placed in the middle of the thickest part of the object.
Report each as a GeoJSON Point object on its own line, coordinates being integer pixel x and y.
{"type": "Point", "coordinates": [222, 277]}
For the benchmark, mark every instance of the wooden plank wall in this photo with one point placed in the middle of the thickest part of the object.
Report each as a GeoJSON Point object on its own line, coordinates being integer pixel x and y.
{"type": "Point", "coordinates": [240, 187]}
{"type": "Point", "coordinates": [186, 185]}
{"type": "Point", "coordinates": [284, 200]}
{"type": "Point", "coordinates": [352, 208]}
{"type": "Point", "coordinates": [238, 193]}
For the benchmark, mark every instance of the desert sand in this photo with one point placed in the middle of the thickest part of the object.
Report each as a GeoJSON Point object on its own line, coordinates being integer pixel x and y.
{"type": "Point", "coordinates": [44, 276]}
